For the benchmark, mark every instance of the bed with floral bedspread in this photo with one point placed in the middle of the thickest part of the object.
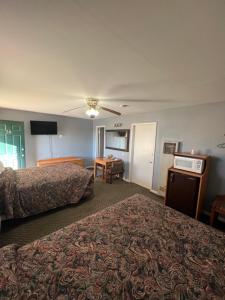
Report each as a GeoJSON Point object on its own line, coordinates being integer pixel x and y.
{"type": "Point", "coordinates": [136, 249]}
{"type": "Point", "coordinates": [31, 191]}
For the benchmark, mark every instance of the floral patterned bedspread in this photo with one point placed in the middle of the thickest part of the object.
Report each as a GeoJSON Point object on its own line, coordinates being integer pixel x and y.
{"type": "Point", "coordinates": [31, 191]}
{"type": "Point", "coordinates": [136, 249]}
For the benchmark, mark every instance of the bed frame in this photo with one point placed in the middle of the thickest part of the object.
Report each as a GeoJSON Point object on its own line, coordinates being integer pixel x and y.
{"type": "Point", "coordinates": [59, 160]}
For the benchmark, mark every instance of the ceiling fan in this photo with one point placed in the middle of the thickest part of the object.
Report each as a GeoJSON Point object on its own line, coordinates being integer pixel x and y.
{"type": "Point", "coordinates": [93, 107]}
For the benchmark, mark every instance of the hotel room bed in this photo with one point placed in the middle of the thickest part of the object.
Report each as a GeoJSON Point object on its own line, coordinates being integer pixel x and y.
{"type": "Point", "coordinates": [31, 191]}
{"type": "Point", "coordinates": [136, 249]}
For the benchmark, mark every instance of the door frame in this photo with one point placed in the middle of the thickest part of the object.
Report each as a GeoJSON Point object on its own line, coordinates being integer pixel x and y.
{"type": "Point", "coordinates": [96, 138]}
{"type": "Point", "coordinates": [131, 154]}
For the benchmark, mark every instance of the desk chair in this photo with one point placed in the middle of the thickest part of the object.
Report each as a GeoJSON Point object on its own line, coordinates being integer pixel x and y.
{"type": "Point", "coordinates": [218, 207]}
{"type": "Point", "coordinates": [116, 168]}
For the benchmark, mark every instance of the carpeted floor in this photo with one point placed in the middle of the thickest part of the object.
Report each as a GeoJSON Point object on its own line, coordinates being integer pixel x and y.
{"type": "Point", "coordinates": [26, 230]}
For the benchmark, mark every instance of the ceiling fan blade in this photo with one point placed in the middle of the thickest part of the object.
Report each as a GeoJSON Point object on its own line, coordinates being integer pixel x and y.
{"type": "Point", "coordinates": [65, 111]}
{"type": "Point", "coordinates": [111, 110]}
{"type": "Point", "coordinates": [138, 100]}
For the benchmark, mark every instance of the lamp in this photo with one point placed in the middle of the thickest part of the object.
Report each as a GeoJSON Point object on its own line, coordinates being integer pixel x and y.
{"type": "Point", "coordinates": [92, 112]}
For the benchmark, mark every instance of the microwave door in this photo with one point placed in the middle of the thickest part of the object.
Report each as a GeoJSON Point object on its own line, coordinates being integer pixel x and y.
{"type": "Point", "coordinates": [183, 163]}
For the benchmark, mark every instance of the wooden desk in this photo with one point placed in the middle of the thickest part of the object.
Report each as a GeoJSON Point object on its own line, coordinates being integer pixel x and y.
{"type": "Point", "coordinates": [104, 163]}
{"type": "Point", "coordinates": [54, 161]}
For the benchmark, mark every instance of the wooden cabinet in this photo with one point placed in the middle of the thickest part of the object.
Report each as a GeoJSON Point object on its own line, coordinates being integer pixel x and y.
{"type": "Point", "coordinates": [54, 161]}
{"type": "Point", "coordinates": [186, 190]}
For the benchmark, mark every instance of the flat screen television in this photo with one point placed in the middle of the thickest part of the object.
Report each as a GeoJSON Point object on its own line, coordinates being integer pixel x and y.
{"type": "Point", "coordinates": [43, 127]}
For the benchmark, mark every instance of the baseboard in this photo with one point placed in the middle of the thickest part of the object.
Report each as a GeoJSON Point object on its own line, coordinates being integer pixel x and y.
{"type": "Point", "coordinates": [155, 192]}
{"type": "Point", "coordinates": [152, 191]}
{"type": "Point", "coordinates": [126, 179]}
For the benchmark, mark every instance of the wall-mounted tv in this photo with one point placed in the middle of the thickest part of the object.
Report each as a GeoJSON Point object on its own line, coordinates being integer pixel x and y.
{"type": "Point", "coordinates": [43, 127]}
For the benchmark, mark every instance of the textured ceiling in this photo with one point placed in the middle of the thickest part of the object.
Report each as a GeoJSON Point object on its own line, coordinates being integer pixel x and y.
{"type": "Point", "coordinates": [54, 54]}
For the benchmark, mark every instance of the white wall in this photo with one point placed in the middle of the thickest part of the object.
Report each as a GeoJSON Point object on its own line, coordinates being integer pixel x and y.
{"type": "Point", "coordinates": [77, 137]}
{"type": "Point", "coordinates": [200, 127]}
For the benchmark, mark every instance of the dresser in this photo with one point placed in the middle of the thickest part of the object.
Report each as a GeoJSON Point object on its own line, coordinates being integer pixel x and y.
{"type": "Point", "coordinates": [59, 160]}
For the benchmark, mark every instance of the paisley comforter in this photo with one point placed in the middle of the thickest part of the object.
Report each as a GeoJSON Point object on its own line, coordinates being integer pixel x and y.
{"type": "Point", "coordinates": [136, 249]}
{"type": "Point", "coordinates": [31, 191]}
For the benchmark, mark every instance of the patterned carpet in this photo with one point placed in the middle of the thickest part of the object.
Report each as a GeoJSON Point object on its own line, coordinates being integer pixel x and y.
{"type": "Point", "coordinates": [26, 230]}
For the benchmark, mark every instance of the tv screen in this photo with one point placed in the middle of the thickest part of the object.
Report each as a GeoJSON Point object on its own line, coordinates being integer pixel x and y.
{"type": "Point", "coordinates": [43, 127]}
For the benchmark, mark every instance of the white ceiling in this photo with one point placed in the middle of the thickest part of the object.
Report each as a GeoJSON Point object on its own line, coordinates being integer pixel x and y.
{"type": "Point", "coordinates": [55, 53]}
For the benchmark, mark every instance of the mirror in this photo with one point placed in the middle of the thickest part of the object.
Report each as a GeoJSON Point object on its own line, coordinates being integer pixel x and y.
{"type": "Point", "coordinates": [118, 139]}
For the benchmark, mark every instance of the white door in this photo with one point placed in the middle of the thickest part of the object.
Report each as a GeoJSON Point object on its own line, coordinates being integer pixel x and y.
{"type": "Point", "coordinates": [142, 161]}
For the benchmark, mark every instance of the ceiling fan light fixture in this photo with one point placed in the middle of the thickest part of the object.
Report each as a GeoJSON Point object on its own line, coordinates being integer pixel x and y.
{"type": "Point", "coordinates": [92, 113]}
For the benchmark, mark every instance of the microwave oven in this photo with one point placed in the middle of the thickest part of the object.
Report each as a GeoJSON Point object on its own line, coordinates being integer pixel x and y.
{"type": "Point", "coordinates": [190, 164]}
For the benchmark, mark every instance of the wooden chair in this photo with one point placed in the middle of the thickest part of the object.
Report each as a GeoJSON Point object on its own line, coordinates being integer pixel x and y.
{"type": "Point", "coordinates": [218, 207]}
{"type": "Point", "coordinates": [116, 168]}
